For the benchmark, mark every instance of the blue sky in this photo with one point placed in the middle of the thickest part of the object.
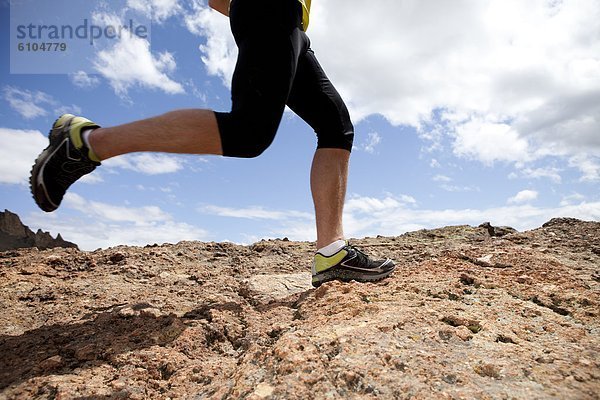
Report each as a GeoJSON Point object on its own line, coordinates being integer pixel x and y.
{"type": "Point", "coordinates": [465, 111]}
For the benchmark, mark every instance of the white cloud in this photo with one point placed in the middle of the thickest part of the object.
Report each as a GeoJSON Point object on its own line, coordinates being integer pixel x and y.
{"type": "Point", "coordinates": [524, 196]}
{"type": "Point", "coordinates": [390, 216]}
{"type": "Point", "coordinates": [254, 212]}
{"type": "Point", "coordinates": [219, 53]}
{"type": "Point", "coordinates": [92, 179]}
{"type": "Point", "coordinates": [505, 80]}
{"type": "Point", "coordinates": [551, 173]}
{"type": "Point", "coordinates": [131, 63]}
{"type": "Point", "coordinates": [157, 10]}
{"type": "Point", "coordinates": [408, 199]}
{"type": "Point", "coordinates": [195, 91]}
{"type": "Point", "coordinates": [18, 152]}
{"type": "Point", "coordinates": [456, 188]}
{"type": "Point", "coordinates": [83, 80]}
{"type": "Point", "coordinates": [397, 219]}
{"type": "Point", "coordinates": [373, 205]}
{"type": "Point", "coordinates": [147, 163]}
{"type": "Point", "coordinates": [445, 185]}
{"type": "Point", "coordinates": [104, 211]}
{"type": "Point", "coordinates": [442, 178]}
{"type": "Point", "coordinates": [489, 142]}
{"type": "Point", "coordinates": [372, 140]}
{"type": "Point", "coordinates": [365, 216]}
{"type": "Point", "coordinates": [268, 223]}
{"type": "Point", "coordinates": [369, 205]}
{"type": "Point", "coordinates": [34, 104]}
{"type": "Point", "coordinates": [28, 103]}
{"type": "Point", "coordinates": [571, 199]}
{"type": "Point", "coordinates": [300, 225]}
{"type": "Point", "coordinates": [588, 166]}
{"type": "Point", "coordinates": [114, 225]}
{"type": "Point", "coordinates": [72, 109]}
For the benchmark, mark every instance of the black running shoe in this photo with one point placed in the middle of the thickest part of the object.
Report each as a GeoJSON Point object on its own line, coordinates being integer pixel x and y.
{"type": "Point", "coordinates": [349, 264]}
{"type": "Point", "coordinates": [64, 161]}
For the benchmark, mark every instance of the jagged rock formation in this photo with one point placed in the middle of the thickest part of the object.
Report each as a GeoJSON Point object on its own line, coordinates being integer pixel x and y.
{"type": "Point", "coordinates": [467, 315]}
{"type": "Point", "coordinates": [497, 231]}
{"type": "Point", "coordinates": [15, 235]}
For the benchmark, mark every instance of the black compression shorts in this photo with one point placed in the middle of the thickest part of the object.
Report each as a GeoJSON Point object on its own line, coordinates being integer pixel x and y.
{"type": "Point", "coordinates": [275, 67]}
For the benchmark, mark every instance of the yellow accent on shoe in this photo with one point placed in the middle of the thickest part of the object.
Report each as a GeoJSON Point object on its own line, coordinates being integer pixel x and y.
{"type": "Point", "coordinates": [77, 125]}
{"type": "Point", "coordinates": [323, 263]}
{"type": "Point", "coordinates": [61, 120]}
{"type": "Point", "coordinates": [92, 156]}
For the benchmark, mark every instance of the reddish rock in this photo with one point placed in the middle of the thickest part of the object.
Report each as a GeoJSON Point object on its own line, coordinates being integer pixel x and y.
{"type": "Point", "coordinates": [15, 235]}
{"type": "Point", "coordinates": [469, 313]}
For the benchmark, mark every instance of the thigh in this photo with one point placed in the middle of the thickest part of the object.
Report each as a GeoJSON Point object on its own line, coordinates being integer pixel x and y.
{"type": "Point", "coordinates": [269, 48]}
{"type": "Point", "coordinates": [314, 98]}
{"type": "Point", "coordinates": [262, 75]}
{"type": "Point", "coordinates": [262, 80]}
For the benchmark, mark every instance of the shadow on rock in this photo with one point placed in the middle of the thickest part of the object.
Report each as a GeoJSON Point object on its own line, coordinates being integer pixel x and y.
{"type": "Point", "coordinates": [61, 348]}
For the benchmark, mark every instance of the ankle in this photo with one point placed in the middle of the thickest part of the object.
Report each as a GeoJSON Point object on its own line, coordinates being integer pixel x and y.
{"type": "Point", "coordinates": [85, 138]}
{"type": "Point", "coordinates": [331, 248]}
{"type": "Point", "coordinates": [93, 140]}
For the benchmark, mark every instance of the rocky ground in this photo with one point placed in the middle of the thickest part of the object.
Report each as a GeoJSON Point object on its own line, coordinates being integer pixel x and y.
{"type": "Point", "coordinates": [469, 313]}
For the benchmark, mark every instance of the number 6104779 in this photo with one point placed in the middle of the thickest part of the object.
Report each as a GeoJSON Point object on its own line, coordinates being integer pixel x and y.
{"type": "Point", "coordinates": [42, 46]}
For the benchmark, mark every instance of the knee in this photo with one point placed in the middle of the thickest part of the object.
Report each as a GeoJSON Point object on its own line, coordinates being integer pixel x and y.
{"type": "Point", "coordinates": [255, 144]}
{"type": "Point", "coordinates": [337, 137]}
{"type": "Point", "coordinates": [347, 137]}
{"type": "Point", "coordinates": [246, 136]}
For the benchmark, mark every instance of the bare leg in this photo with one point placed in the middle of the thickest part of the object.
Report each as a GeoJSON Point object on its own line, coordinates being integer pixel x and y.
{"type": "Point", "coordinates": [192, 131]}
{"type": "Point", "coordinates": [328, 179]}
{"type": "Point", "coordinates": [196, 132]}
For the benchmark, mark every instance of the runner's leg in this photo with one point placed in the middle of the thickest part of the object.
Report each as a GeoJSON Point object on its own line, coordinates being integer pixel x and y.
{"type": "Point", "coordinates": [192, 131]}
{"type": "Point", "coordinates": [315, 99]}
{"type": "Point", "coordinates": [269, 40]}
{"type": "Point", "coordinates": [267, 33]}
{"type": "Point", "coordinates": [328, 179]}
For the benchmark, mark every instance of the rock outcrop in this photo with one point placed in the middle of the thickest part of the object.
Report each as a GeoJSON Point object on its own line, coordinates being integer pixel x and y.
{"type": "Point", "coordinates": [468, 314]}
{"type": "Point", "coordinates": [15, 235]}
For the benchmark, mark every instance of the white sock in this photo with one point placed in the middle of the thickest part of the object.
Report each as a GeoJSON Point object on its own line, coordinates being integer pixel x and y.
{"type": "Point", "coordinates": [85, 136]}
{"type": "Point", "coordinates": [332, 248]}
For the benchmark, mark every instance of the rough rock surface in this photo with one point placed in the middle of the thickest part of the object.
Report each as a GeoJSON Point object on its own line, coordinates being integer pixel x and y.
{"type": "Point", "coordinates": [467, 315]}
{"type": "Point", "coordinates": [15, 235]}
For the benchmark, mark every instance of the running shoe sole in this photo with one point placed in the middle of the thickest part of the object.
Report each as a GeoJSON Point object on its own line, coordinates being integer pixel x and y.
{"type": "Point", "coordinates": [346, 275]}
{"type": "Point", "coordinates": [36, 180]}
{"type": "Point", "coordinates": [58, 138]}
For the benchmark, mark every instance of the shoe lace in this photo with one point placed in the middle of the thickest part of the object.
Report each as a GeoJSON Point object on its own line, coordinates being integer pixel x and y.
{"type": "Point", "coordinates": [66, 179]}
{"type": "Point", "coordinates": [363, 259]}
